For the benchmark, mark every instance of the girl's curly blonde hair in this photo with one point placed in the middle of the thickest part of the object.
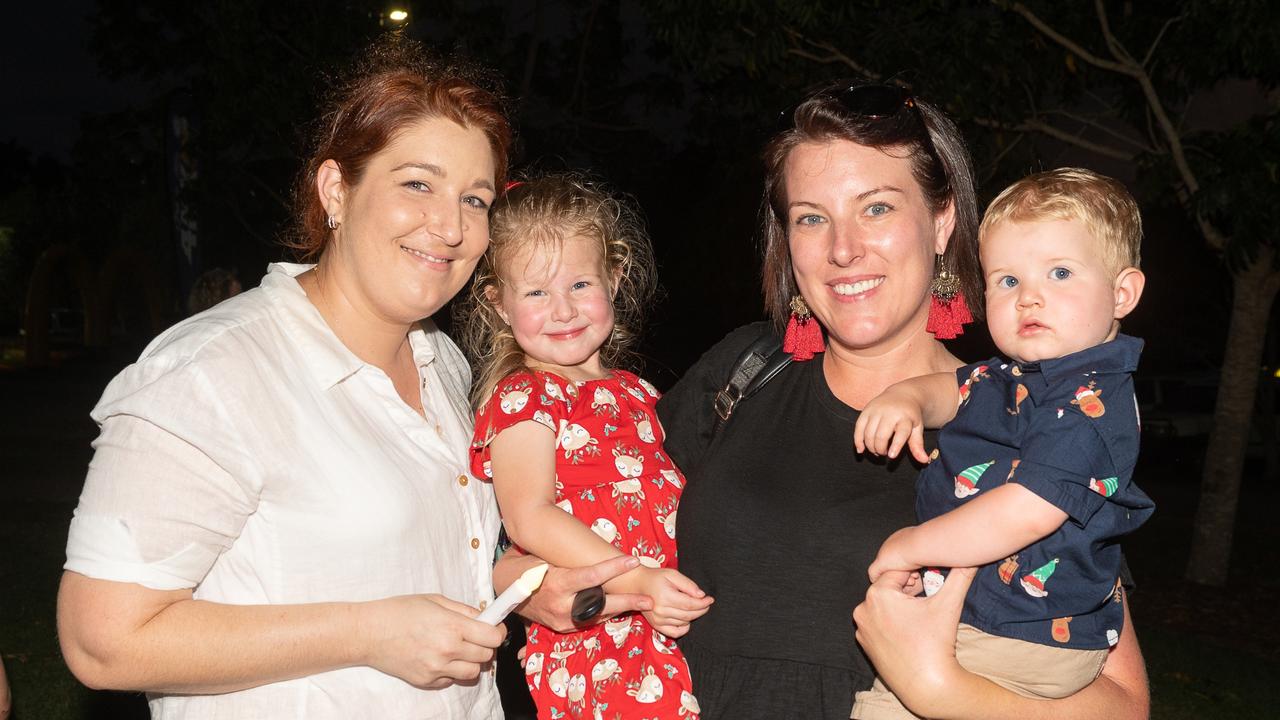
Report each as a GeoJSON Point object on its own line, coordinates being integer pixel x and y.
{"type": "Point", "coordinates": [546, 211]}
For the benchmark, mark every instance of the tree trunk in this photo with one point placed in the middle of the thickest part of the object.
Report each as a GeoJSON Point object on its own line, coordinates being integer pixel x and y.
{"type": "Point", "coordinates": [1252, 293]}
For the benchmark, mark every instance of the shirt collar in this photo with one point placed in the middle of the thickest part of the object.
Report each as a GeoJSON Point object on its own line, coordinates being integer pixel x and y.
{"type": "Point", "coordinates": [424, 353]}
{"type": "Point", "coordinates": [323, 354]}
{"type": "Point", "coordinates": [328, 360]}
{"type": "Point", "coordinates": [1117, 356]}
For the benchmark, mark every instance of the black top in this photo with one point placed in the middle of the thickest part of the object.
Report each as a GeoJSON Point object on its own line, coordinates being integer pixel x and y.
{"type": "Point", "coordinates": [779, 522]}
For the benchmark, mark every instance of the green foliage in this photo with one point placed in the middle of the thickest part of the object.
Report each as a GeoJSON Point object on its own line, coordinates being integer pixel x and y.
{"type": "Point", "coordinates": [248, 76]}
{"type": "Point", "coordinates": [38, 207]}
{"type": "Point", "coordinates": [253, 76]}
{"type": "Point", "coordinates": [32, 539]}
{"type": "Point", "coordinates": [1003, 78]}
{"type": "Point", "coordinates": [1240, 169]}
{"type": "Point", "coordinates": [1194, 679]}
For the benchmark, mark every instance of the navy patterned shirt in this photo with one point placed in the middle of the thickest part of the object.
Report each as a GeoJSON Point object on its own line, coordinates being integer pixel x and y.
{"type": "Point", "coordinates": [1067, 430]}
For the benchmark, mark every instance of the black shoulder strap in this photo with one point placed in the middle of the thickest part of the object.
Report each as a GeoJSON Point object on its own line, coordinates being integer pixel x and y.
{"type": "Point", "coordinates": [757, 365]}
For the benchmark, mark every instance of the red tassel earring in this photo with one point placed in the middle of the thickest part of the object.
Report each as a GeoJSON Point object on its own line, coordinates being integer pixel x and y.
{"type": "Point", "coordinates": [947, 309]}
{"type": "Point", "coordinates": [804, 333]}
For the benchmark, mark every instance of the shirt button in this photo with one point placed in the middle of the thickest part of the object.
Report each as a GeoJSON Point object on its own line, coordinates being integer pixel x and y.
{"type": "Point", "coordinates": [475, 543]}
{"type": "Point", "coordinates": [483, 604]}
{"type": "Point", "coordinates": [462, 480]}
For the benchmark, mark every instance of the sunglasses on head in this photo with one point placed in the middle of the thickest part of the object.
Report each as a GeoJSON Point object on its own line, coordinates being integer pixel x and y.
{"type": "Point", "coordinates": [865, 101]}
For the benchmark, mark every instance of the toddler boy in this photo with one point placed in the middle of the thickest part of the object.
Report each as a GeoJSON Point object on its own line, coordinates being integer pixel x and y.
{"type": "Point", "coordinates": [1031, 478]}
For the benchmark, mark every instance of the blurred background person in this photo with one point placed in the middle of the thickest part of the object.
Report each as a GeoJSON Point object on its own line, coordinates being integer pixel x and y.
{"type": "Point", "coordinates": [212, 287]}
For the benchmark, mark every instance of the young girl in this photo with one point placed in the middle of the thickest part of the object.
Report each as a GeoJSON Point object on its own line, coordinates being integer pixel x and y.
{"type": "Point", "coordinates": [573, 444]}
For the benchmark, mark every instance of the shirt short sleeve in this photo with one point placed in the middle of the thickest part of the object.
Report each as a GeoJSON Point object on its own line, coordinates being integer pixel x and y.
{"type": "Point", "coordinates": [166, 493]}
{"type": "Point", "coordinates": [519, 397]}
{"type": "Point", "coordinates": [1066, 462]}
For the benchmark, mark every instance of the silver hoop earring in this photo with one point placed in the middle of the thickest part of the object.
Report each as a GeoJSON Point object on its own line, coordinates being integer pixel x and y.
{"type": "Point", "coordinates": [331, 222]}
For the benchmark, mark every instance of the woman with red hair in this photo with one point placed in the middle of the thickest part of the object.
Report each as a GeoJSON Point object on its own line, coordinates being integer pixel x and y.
{"type": "Point", "coordinates": [278, 519]}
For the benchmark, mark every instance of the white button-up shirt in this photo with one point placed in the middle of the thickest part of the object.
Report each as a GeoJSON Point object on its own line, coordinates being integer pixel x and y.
{"type": "Point", "coordinates": [248, 454]}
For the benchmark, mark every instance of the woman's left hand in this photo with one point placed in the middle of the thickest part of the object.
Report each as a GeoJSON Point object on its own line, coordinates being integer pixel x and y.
{"type": "Point", "coordinates": [911, 640]}
{"type": "Point", "coordinates": [551, 604]}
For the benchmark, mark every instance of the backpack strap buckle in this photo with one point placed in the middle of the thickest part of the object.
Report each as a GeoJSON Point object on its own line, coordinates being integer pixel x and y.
{"type": "Point", "coordinates": [757, 365]}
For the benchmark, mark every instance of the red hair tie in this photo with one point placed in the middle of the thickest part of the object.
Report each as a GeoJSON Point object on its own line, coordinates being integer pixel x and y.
{"type": "Point", "coordinates": [513, 185]}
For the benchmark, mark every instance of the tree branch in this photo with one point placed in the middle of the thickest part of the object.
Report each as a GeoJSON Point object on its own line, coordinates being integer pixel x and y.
{"type": "Point", "coordinates": [1170, 132]}
{"type": "Point", "coordinates": [288, 46]}
{"type": "Point", "coordinates": [1212, 234]}
{"type": "Point", "coordinates": [582, 56]}
{"type": "Point", "coordinates": [1118, 50]}
{"type": "Point", "coordinates": [1044, 128]}
{"type": "Point", "coordinates": [995, 161]}
{"type": "Point", "coordinates": [1129, 66]}
{"type": "Point", "coordinates": [1146, 60]}
{"type": "Point", "coordinates": [531, 53]}
{"type": "Point", "coordinates": [1069, 44]}
{"type": "Point", "coordinates": [834, 55]}
{"type": "Point", "coordinates": [1144, 147]}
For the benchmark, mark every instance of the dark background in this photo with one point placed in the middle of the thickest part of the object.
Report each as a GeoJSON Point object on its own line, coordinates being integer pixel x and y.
{"type": "Point", "coordinates": [670, 102]}
{"type": "Point", "coordinates": [83, 152]}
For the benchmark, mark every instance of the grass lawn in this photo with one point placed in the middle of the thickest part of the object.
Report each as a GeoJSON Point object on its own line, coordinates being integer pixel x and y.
{"type": "Point", "coordinates": [1198, 680]}
{"type": "Point", "coordinates": [32, 538]}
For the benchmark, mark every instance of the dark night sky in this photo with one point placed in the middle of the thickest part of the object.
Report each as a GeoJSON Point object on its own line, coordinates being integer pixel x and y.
{"type": "Point", "coordinates": [50, 80]}
{"type": "Point", "coordinates": [50, 77]}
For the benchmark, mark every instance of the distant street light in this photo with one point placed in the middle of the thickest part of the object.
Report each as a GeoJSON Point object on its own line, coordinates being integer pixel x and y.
{"type": "Point", "coordinates": [394, 18]}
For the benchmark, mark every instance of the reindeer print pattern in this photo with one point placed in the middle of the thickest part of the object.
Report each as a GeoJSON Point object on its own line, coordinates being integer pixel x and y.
{"type": "Point", "coordinates": [613, 476]}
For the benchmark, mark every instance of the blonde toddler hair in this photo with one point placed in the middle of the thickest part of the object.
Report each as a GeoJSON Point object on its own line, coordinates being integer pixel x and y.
{"type": "Point", "coordinates": [544, 212]}
{"type": "Point", "coordinates": [1100, 202]}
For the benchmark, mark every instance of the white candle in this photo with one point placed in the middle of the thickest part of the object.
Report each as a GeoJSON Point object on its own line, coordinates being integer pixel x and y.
{"type": "Point", "coordinates": [519, 591]}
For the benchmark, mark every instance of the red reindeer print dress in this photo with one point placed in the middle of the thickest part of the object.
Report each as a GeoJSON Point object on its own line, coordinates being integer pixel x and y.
{"type": "Point", "coordinates": [613, 476]}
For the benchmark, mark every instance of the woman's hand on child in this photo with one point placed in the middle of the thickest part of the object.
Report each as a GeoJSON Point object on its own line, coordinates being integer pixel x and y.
{"type": "Point", "coordinates": [890, 421]}
{"type": "Point", "coordinates": [552, 604]}
{"type": "Point", "coordinates": [911, 641]}
{"type": "Point", "coordinates": [677, 600]}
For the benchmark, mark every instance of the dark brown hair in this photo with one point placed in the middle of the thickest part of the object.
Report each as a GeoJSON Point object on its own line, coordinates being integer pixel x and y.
{"type": "Point", "coordinates": [395, 86]}
{"type": "Point", "coordinates": [544, 212]}
{"type": "Point", "coordinates": [939, 162]}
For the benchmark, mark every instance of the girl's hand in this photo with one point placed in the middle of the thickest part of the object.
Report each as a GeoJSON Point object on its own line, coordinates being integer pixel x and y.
{"type": "Point", "coordinates": [428, 641]}
{"type": "Point", "coordinates": [677, 600]}
{"type": "Point", "coordinates": [911, 641]}
{"type": "Point", "coordinates": [891, 420]}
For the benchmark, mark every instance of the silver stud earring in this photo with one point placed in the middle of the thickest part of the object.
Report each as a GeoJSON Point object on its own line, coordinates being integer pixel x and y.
{"type": "Point", "coordinates": [331, 222]}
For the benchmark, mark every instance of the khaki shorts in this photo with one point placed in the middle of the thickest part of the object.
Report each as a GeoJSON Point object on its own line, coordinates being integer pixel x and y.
{"type": "Point", "coordinates": [1029, 669]}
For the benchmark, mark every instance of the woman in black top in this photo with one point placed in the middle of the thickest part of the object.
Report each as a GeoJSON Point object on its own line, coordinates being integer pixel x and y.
{"type": "Point", "coordinates": [781, 518]}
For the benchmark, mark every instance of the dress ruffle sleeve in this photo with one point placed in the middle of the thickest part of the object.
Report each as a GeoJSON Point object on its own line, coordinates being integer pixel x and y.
{"type": "Point", "coordinates": [521, 396]}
